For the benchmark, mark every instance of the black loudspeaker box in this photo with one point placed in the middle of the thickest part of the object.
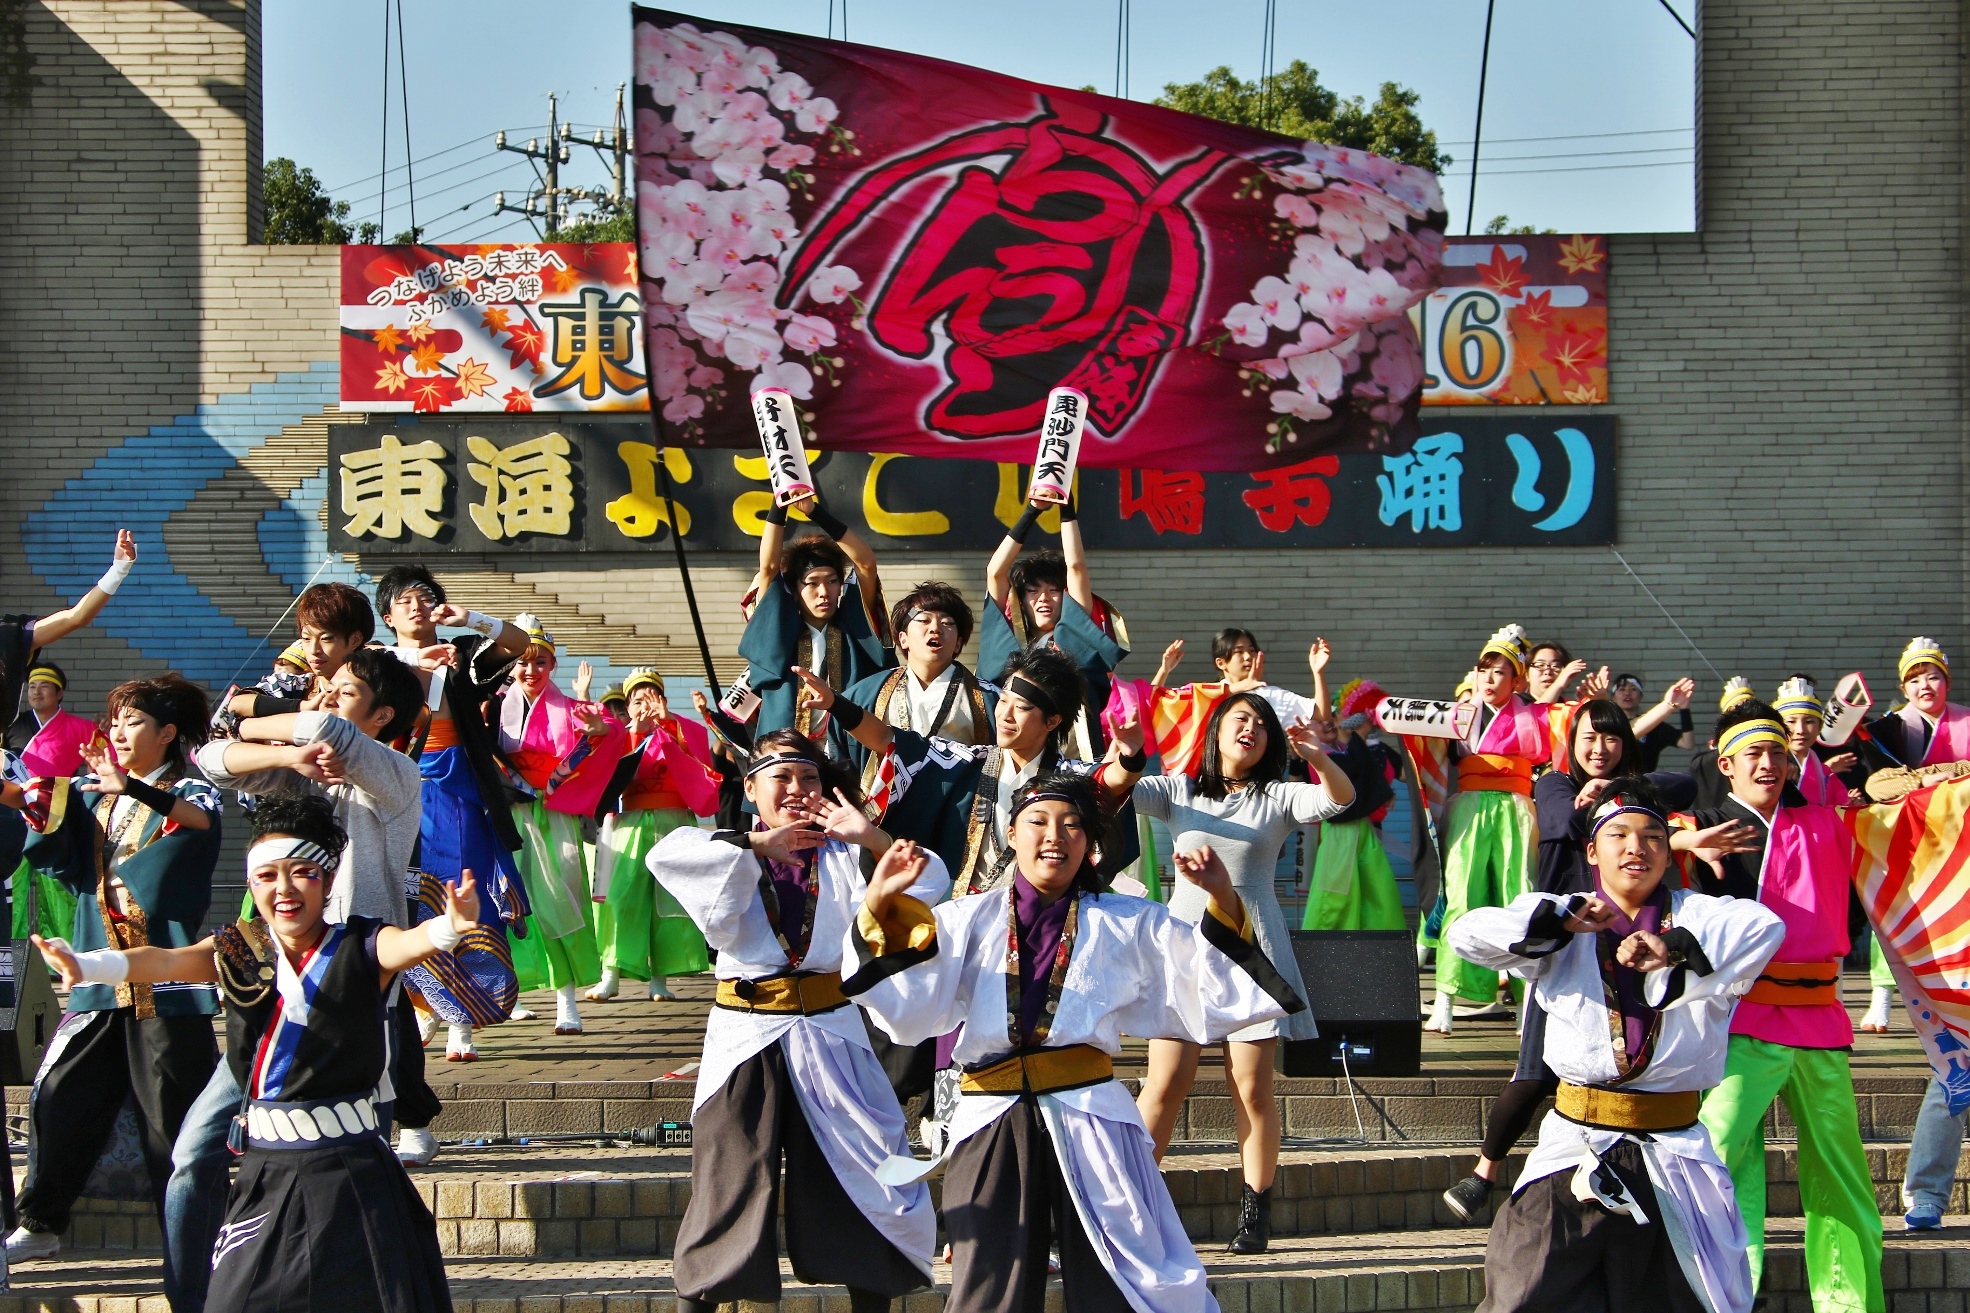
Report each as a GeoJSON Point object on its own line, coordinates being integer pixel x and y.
{"type": "Point", "coordinates": [1361, 985]}
{"type": "Point", "coordinates": [28, 1012]}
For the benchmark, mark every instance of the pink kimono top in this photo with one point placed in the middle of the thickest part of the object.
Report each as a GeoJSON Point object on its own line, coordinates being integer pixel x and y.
{"type": "Point", "coordinates": [56, 749]}
{"type": "Point", "coordinates": [540, 736]}
{"type": "Point", "coordinates": [674, 770]}
{"type": "Point", "coordinates": [1805, 879]}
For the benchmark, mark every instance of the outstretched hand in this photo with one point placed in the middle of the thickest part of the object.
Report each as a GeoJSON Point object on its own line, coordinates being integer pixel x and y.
{"type": "Point", "coordinates": [60, 959]}
{"type": "Point", "coordinates": [1205, 868]}
{"type": "Point", "coordinates": [814, 691]}
{"type": "Point", "coordinates": [101, 761]}
{"type": "Point", "coordinates": [1680, 693]}
{"type": "Point", "coordinates": [1711, 846]}
{"type": "Point", "coordinates": [1594, 686]}
{"type": "Point", "coordinates": [1172, 655]}
{"type": "Point", "coordinates": [1318, 655]}
{"type": "Point", "coordinates": [841, 819]}
{"type": "Point", "coordinates": [584, 680]}
{"type": "Point", "coordinates": [896, 872]}
{"type": "Point", "coordinates": [126, 546]}
{"type": "Point", "coordinates": [462, 901]}
{"type": "Point", "coordinates": [1129, 733]}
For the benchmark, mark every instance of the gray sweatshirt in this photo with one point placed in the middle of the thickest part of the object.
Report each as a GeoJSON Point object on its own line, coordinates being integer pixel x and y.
{"type": "Point", "coordinates": [379, 807]}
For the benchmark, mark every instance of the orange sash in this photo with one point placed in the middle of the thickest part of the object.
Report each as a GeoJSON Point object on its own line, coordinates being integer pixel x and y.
{"type": "Point", "coordinates": [1798, 984]}
{"type": "Point", "coordinates": [1486, 771]}
{"type": "Point", "coordinates": [536, 767]}
{"type": "Point", "coordinates": [444, 734]}
{"type": "Point", "coordinates": [652, 795]}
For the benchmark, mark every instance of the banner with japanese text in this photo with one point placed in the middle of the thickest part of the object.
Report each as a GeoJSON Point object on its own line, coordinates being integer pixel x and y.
{"type": "Point", "coordinates": [419, 486]}
{"type": "Point", "coordinates": [920, 251]}
{"type": "Point", "coordinates": [1518, 320]}
{"type": "Point", "coordinates": [507, 327]}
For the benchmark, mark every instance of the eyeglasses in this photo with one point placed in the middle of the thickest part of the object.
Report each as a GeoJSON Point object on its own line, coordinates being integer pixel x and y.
{"type": "Point", "coordinates": [1550, 667]}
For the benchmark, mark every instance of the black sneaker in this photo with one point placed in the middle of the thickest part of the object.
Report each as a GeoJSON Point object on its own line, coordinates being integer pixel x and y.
{"type": "Point", "coordinates": [1254, 1222]}
{"type": "Point", "coordinates": [1467, 1197]}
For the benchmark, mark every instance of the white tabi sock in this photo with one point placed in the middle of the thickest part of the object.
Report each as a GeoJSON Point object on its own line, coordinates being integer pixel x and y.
{"type": "Point", "coordinates": [566, 1012]}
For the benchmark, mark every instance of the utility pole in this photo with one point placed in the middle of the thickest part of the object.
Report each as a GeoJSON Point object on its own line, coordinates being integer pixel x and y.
{"type": "Point", "coordinates": [549, 203]}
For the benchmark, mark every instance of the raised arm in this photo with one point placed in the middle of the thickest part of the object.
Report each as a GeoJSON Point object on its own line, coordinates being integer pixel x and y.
{"type": "Point", "coordinates": [398, 950]}
{"type": "Point", "coordinates": [1676, 699]}
{"type": "Point", "coordinates": [871, 732]}
{"type": "Point", "coordinates": [112, 780]}
{"type": "Point", "coordinates": [1076, 555]}
{"type": "Point", "coordinates": [1172, 657]}
{"type": "Point", "coordinates": [1317, 657]}
{"type": "Point", "coordinates": [1325, 769]}
{"type": "Point", "coordinates": [998, 571]}
{"type": "Point", "coordinates": [62, 623]}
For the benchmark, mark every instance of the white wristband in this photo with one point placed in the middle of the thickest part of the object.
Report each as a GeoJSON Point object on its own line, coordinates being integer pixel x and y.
{"type": "Point", "coordinates": [114, 576]}
{"type": "Point", "coordinates": [443, 934]}
{"type": "Point", "coordinates": [103, 966]}
{"type": "Point", "coordinates": [488, 625]}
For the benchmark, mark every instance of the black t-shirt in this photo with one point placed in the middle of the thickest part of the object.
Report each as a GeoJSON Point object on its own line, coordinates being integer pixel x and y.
{"type": "Point", "coordinates": [340, 1053]}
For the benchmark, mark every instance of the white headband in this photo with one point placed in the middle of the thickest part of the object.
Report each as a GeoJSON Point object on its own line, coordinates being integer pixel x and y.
{"type": "Point", "coordinates": [286, 847]}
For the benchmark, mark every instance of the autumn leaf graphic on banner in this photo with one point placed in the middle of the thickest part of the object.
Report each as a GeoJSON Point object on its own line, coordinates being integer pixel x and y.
{"type": "Point", "coordinates": [1503, 274]}
{"type": "Point", "coordinates": [1536, 308]}
{"type": "Point", "coordinates": [433, 394]}
{"type": "Point", "coordinates": [1574, 354]}
{"type": "Point", "coordinates": [1581, 255]}
{"type": "Point", "coordinates": [426, 358]}
{"type": "Point", "coordinates": [388, 339]}
{"type": "Point", "coordinates": [472, 378]}
{"type": "Point", "coordinates": [391, 377]}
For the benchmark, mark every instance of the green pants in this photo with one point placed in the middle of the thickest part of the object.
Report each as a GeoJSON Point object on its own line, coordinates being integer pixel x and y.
{"type": "Point", "coordinates": [1353, 885]}
{"type": "Point", "coordinates": [642, 932]}
{"type": "Point", "coordinates": [1836, 1190]}
{"type": "Point", "coordinates": [1878, 974]}
{"type": "Point", "coordinates": [559, 948]}
{"type": "Point", "coordinates": [54, 905]}
{"type": "Point", "coordinates": [1487, 862]}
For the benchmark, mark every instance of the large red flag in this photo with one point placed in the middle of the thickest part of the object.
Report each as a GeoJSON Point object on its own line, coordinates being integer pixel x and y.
{"type": "Point", "coordinates": [920, 251]}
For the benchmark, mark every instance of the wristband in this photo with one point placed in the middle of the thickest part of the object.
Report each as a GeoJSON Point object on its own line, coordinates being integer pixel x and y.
{"type": "Point", "coordinates": [114, 576]}
{"type": "Point", "coordinates": [827, 521]}
{"type": "Point", "coordinates": [1683, 721]}
{"type": "Point", "coordinates": [1134, 762]}
{"type": "Point", "coordinates": [1024, 525]}
{"type": "Point", "coordinates": [158, 800]}
{"type": "Point", "coordinates": [443, 934]}
{"type": "Point", "coordinates": [99, 966]}
{"type": "Point", "coordinates": [846, 714]}
{"type": "Point", "coordinates": [775, 514]}
{"type": "Point", "coordinates": [1067, 512]}
{"type": "Point", "coordinates": [488, 625]}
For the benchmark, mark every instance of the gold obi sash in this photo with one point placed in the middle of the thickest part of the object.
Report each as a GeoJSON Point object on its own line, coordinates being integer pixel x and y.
{"type": "Point", "coordinates": [807, 995]}
{"type": "Point", "coordinates": [1628, 1110]}
{"type": "Point", "coordinates": [1041, 1071]}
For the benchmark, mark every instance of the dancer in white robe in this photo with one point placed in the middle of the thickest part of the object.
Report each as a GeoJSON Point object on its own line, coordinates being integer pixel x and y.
{"type": "Point", "coordinates": [1624, 1204]}
{"type": "Point", "coordinates": [1045, 975]}
{"type": "Point", "coordinates": [788, 1076]}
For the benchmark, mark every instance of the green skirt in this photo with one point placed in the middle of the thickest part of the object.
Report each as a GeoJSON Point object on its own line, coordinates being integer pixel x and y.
{"type": "Point", "coordinates": [1487, 862]}
{"type": "Point", "coordinates": [642, 932]}
{"type": "Point", "coordinates": [559, 947]}
{"type": "Point", "coordinates": [1353, 885]}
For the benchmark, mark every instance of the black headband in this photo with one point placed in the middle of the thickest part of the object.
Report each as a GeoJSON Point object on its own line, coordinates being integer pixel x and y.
{"type": "Point", "coordinates": [1032, 798]}
{"type": "Point", "coordinates": [1033, 693]}
{"type": "Point", "coordinates": [772, 759]}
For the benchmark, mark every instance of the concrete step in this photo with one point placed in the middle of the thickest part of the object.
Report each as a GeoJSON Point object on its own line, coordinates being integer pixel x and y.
{"type": "Point", "coordinates": [1391, 1272]}
{"type": "Point", "coordinates": [559, 1202]}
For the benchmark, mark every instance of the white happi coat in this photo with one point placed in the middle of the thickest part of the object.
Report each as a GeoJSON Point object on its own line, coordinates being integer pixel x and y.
{"type": "Point", "coordinates": [1692, 1186]}
{"type": "Point", "coordinates": [1135, 970]}
{"type": "Point", "coordinates": [844, 1094]}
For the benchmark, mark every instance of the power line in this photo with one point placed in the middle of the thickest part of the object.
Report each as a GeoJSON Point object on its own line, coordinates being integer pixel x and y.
{"type": "Point", "coordinates": [1579, 136]}
{"type": "Point", "coordinates": [1590, 168]}
{"type": "Point", "coordinates": [1690, 31]}
{"type": "Point", "coordinates": [403, 84]}
{"type": "Point", "coordinates": [472, 140]}
{"type": "Point", "coordinates": [1579, 155]}
{"type": "Point", "coordinates": [477, 159]}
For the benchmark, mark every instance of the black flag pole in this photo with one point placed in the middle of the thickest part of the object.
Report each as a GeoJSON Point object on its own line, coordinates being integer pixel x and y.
{"type": "Point", "coordinates": [683, 566]}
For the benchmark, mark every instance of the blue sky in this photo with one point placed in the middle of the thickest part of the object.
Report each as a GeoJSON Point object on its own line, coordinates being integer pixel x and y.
{"type": "Point", "coordinates": [1587, 124]}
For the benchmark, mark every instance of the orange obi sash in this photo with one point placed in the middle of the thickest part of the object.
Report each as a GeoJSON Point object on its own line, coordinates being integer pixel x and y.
{"type": "Point", "coordinates": [652, 795]}
{"type": "Point", "coordinates": [1798, 984]}
{"type": "Point", "coordinates": [1496, 773]}
{"type": "Point", "coordinates": [535, 767]}
{"type": "Point", "coordinates": [443, 734]}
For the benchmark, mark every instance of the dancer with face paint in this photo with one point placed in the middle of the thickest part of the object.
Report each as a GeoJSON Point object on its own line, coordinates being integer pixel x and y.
{"type": "Point", "coordinates": [322, 1215]}
{"type": "Point", "coordinates": [1625, 1204]}
{"type": "Point", "coordinates": [789, 1078]}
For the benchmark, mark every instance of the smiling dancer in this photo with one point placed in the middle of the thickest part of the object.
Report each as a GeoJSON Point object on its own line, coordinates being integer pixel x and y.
{"type": "Point", "coordinates": [931, 692]}
{"type": "Point", "coordinates": [788, 1075]}
{"type": "Point", "coordinates": [137, 844]}
{"type": "Point", "coordinates": [1790, 1036]}
{"type": "Point", "coordinates": [1624, 1205]}
{"type": "Point", "coordinates": [322, 1215]}
{"type": "Point", "coordinates": [1242, 807]}
{"type": "Point", "coordinates": [1041, 978]}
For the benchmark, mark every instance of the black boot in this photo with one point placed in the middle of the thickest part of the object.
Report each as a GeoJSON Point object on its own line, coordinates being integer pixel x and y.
{"type": "Point", "coordinates": [1254, 1222]}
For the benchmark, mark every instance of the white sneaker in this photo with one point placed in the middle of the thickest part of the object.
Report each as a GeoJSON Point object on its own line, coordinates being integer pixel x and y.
{"type": "Point", "coordinates": [1876, 1019]}
{"type": "Point", "coordinates": [458, 1045]}
{"type": "Point", "coordinates": [24, 1246]}
{"type": "Point", "coordinates": [1439, 1019]}
{"type": "Point", "coordinates": [521, 1012]}
{"type": "Point", "coordinates": [660, 991]}
{"type": "Point", "coordinates": [427, 1026]}
{"type": "Point", "coordinates": [567, 1014]}
{"type": "Point", "coordinates": [416, 1146]}
{"type": "Point", "coordinates": [611, 986]}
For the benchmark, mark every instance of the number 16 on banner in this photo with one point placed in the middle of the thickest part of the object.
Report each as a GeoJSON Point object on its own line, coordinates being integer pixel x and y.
{"type": "Point", "coordinates": [1060, 447]}
{"type": "Point", "coordinates": [779, 434]}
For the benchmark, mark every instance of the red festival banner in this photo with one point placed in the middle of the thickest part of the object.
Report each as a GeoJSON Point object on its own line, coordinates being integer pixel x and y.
{"type": "Point", "coordinates": [920, 251]}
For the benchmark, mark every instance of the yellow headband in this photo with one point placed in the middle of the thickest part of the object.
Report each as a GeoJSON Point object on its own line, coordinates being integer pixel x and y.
{"type": "Point", "coordinates": [1736, 691]}
{"type": "Point", "coordinates": [643, 678]}
{"type": "Point", "coordinates": [294, 654]}
{"type": "Point", "coordinates": [1510, 643]}
{"type": "Point", "coordinates": [1748, 735]}
{"type": "Point", "coordinates": [1798, 695]}
{"type": "Point", "coordinates": [47, 675]}
{"type": "Point", "coordinates": [536, 632]}
{"type": "Point", "coordinates": [1919, 651]}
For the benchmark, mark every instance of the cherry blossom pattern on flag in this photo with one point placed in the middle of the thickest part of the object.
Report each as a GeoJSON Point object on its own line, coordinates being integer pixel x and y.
{"type": "Point", "coordinates": [713, 234]}
{"type": "Point", "coordinates": [1361, 254]}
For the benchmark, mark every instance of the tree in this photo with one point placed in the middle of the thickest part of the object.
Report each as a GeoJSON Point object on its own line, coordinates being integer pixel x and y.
{"type": "Point", "coordinates": [599, 228]}
{"type": "Point", "coordinates": [299, 210]}
{"type": "Point", "coordinates": [1293, 102]}
{"type": "Point", "coordinates": [1501, 226]}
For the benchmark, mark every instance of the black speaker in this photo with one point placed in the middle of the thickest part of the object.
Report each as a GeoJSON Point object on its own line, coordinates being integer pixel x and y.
{"type": "Point", "coordinates": [28, 1012]}
{"type": "Point", "coordinates": [1361, 985]}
